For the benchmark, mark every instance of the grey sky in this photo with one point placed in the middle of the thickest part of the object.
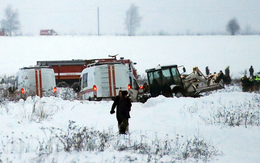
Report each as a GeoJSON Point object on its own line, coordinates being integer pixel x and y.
{"type": "Point", "coordinates": [170, 16]}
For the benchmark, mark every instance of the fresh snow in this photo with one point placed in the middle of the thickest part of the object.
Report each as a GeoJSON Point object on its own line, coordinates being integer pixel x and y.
{"type": "Point", "coordinates": [217, 52]}
{"type": "Point", "coordinates": [158, 119]}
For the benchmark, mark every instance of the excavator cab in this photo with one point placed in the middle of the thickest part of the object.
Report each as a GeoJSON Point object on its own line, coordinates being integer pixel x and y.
{"type": "Point", "coordinates": [162, 78]}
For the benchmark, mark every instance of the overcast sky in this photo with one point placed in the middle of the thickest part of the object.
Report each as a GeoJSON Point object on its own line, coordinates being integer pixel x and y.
{"type": "Point", "coordinates": [171, 16]}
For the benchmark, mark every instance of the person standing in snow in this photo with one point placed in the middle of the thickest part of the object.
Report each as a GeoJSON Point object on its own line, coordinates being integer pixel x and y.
{"type": "Point", "coordinates": [251, 71]}
{"type": "Point", "coordinates": [207, 70]}
{"type": "Point", "coordinates": [145, 87]}
{"type": "Point", "coordinates": [123, 105]}
{"type": "Point", "coordinates": [227, 71]}
{"type": "Point", "coordinates": [227, 78]}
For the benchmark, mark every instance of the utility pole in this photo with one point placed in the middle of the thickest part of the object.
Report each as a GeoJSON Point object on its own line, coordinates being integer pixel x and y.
{"type": "Point", "coordinates": [98, 19]}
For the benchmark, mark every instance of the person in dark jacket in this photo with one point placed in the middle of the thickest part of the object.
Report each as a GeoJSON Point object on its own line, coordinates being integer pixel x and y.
{"type": "Point", "coordinates": [145, 87]}
{"type": "Point", "coordinates": [226, 77]}
{"type": "Point", "coordinates": [227, 71]}
{"type": "Point", "coordinates": [251, 71]}
{"type": "Point", "coordinates": [207, 70]}
{"type": "Point", "coordinates": [219, 76]}
{"type": "Point", "coordinates": [123, 105]}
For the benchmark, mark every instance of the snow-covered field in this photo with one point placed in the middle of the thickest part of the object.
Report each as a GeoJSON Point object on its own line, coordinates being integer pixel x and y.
{"type": "Point", "coordinates": [222, 126]}
{"type": "Point", "coordinates": [217, 52]}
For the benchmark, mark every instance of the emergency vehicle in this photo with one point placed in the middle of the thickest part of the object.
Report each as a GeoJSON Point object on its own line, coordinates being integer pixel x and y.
{"type": "Point", "coordinates": [104, 81]}
{"type": "Point", "coordinates": [48, 32]}
{"type": "Point", "coordinates": [35, 81]}
{"type": "Point", "coordinates": [67, 72]}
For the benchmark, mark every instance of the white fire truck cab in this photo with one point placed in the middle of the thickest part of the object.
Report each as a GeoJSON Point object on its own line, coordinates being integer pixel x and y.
{"type": "Point", "coordinates": [33, 81]}
{"type": "Point", "coordinates": [104, 81]}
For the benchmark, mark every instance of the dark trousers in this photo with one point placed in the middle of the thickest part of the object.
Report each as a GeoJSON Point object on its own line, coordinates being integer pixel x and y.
{"type": "Point", "coordinates": [123, 125]}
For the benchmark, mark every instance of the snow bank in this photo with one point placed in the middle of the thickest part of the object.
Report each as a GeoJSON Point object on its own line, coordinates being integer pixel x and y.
{"type": "Point", "coordinates": [158, 119]}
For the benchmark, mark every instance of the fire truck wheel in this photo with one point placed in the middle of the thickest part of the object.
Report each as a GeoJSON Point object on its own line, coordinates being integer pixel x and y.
{"type": "Point", "coordinates": [62, 84]}
{"type": "Point", "coordinates": [76, 87]}
{"type": "Point", "coordinates": [11, 89]}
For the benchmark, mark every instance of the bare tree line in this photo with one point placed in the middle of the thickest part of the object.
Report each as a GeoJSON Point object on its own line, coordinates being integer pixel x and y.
{"type": "Point", "coordinates": [11, 24]}
{"type": "Point", "coordinates": [133, 19]}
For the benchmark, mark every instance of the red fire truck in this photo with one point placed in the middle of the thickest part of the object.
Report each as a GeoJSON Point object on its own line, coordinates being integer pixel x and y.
{"type": "Point", "coordinates": [48, 32]}
{"type": "Point", "coordinates": [67, 72]}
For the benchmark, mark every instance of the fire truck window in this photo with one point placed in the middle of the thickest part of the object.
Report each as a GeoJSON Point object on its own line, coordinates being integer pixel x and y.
{"type": "Point", "coordinates": [85, 80]}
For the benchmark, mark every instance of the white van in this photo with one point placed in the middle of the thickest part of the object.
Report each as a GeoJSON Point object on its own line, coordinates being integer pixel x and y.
{"type": "Point", "coordinates": [33, 81]}
{"type": "Point", "coordinates": [101, 81]}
